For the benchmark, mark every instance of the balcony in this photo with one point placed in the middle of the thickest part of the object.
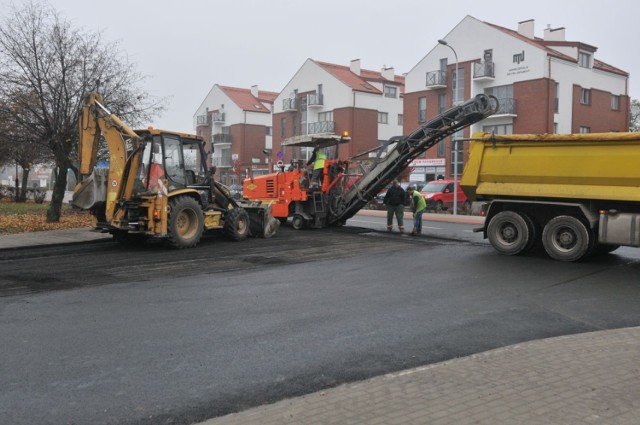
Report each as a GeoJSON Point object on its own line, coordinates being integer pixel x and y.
{"type": "Point", "coordinates": [506, 108]}
{"type": "Point", "coordinates": [321, 127]}
{"type": "Point", "coordinates": [217, 117]}
{"type": "Point", "coordinates": [202, 120]}
{"type": "Point", "coordinates": [315, 100]}
{"type": "Point", "coordinates": [289, 104]}
{"type": "Point", "coordinates": [483, 71]}
{"type": "Point", "coordinates": [221, 138]}
{"type": "Point", "coordinates": [436, 79]}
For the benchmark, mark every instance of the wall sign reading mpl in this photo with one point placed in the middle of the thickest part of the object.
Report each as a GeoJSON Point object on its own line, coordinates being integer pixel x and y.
{"type": "Point", "coordinates": [518, 58]}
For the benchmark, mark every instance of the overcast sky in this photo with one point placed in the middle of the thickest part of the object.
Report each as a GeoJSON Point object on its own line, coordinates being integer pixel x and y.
{"type": "Point", "coordinates": [185, 47]}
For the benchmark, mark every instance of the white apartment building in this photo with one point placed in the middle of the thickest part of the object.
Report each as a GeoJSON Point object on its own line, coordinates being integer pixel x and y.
{"type": "Point", "coordinates": [544, 84]}
{"type": "Point", "coordinates": [236, 124]}
{"type": "Point", "coordinates": [329, 98]}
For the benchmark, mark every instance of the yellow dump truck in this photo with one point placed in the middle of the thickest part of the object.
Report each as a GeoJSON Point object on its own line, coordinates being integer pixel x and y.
{"type": "Point", "coordinates": [574, 194]}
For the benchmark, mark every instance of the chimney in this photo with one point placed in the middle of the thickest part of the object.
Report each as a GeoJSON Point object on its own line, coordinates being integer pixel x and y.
{"type": "Point", "coordinates": [355, 66]}
{"type": "Point", "coordinates": [554, 34]}
{"type": "Point", "coordinates": [254, 90]}
{"type": "Point", "coordinates": [388, 73]}
{"type": "Point", "coordinates": [526, 28]}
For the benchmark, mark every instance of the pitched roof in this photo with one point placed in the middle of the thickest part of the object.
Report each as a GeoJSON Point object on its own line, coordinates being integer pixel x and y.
{"type": "Point", "coordinates": [548, 46]}
{"type": "Point", "coordinates": [360, 82]}
{"type": "Point", "coordinates": [247, 101]}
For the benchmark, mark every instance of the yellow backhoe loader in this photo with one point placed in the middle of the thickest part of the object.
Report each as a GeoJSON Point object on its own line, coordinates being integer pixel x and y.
{"type": "Point", "coordinates": [157, 185]}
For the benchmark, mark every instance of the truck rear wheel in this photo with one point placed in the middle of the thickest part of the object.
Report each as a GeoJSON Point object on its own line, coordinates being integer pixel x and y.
{"type": "Point", "coordinates": [236, 224]}
{"type": "Point", "coordinates": [566, 238]}
{"type": "Point", "coordinates": [297, 222]}
{"type": "Point", "coordinates": [508, 233]}
{"type": "Point", "coordinates": [186, 222]}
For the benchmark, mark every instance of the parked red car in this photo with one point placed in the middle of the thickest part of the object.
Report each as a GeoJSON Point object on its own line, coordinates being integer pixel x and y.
{"type": "Point", "coordinates": [439, 196]}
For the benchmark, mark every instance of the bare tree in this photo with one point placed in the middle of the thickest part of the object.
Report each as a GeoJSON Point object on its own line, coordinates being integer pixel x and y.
{"type": "Point", "coordinates": [19, 147]}
{"type": "Point", "coordinates": [46, 67]}
{"type": "Point", "coordinates": [634, 119]}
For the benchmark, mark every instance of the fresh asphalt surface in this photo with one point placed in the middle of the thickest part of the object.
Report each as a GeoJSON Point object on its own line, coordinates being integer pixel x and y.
{"type": "Point", "coordinates": [100, 334]}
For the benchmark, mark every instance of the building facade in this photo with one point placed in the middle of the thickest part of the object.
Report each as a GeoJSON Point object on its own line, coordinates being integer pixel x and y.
{"type": "Point", "coordinates": [328, 98]}
{"type": "Point", "coordinates": [543, 85]}
{"type": "Point", "coordinates": [236, 125]}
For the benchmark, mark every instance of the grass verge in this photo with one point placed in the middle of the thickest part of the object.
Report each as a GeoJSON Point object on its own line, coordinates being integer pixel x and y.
{"type": "Point", "coordinates": [19, 217]}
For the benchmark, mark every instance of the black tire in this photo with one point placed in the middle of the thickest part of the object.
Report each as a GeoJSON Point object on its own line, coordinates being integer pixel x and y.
{"type": "Point", "coordinates": [186, 222]}
{"type": "Point", "coordinates": [439, 207]}
{"type": "Point", "coordinates": [237, 224]}
{"type": "Point", "coordinates": [297, 222]}
{"type": "Point", "coordinates": [535, 238]}
{"type": "Point", "coordinates": [466, 207]}
{"type": "Point", "coordinates": [566, 238]}
{"type": "Point", "coordinates": [508, 233]}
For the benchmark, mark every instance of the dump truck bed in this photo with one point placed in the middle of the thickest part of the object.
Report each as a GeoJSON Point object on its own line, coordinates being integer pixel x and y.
{"type": "Point", "coordinates": [598, 166]}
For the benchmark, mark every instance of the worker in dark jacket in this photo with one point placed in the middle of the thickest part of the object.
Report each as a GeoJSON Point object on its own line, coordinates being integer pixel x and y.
{"type": "Point", "coordinates": [394, 200]}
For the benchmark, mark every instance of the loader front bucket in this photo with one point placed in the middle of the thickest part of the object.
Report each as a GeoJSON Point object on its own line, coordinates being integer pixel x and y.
{"type": "Point", "coordinates": [262, 223]}
{"type": "Point", "coordinates": [91, 190]}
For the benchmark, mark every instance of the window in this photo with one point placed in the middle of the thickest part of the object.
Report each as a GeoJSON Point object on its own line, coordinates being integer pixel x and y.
{"type": "Point", "coordinates": [615, 102]}
{"type": "Point", "coordinates": [268, 131]}
{"type": "Point", "coordinates": [443, 64]}
{"type": "Point", "coordinates": [325, 116]}
{"type": "Point", "coordinates": [442, 147]}
{"type": "Point", "coordinates": [422, 109]}
{"type": "Point", "coordinates": [283, 127]}
{"type": "Point", "coordinates": [400, 119]}
{"type": "Point", "coordinates": [458, 85]}
{"type": "Point", "coordinates": [556, 106]}
{"type": "Point", "coordinates": [498, 129]}
{"type": "Point", "coordinates": [390, 91]}
{"type": "Point", "coordinates": [555, 128]}
{"type": "Point", "coordinates": [383, 118]}
{"type": "Point", "coordinates": [173, 162]}
{"type": "Point", "coordinates": [585, 130]}
{"type": "Point", "coordinates": [585, 97]}
{"type": "Point", "coordinates": [442, 103]}
{"type": "Point", "coordinates": [504, 94]}
{"type": "Point", "coordinates": [584, 59]}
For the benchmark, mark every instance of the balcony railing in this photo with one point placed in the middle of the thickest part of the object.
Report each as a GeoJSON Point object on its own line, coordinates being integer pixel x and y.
{"type": "Point", "coordinates": [221, 138]}
{"type": "Point", "coordinates": [436, 79]}
{"type": "Point", "coordinates": [507, 106]}
{"type": "Point", "coordinates": [289, 104]}
{"type": "Point", "coordinates": [217, 117]}
{"type": "Point", "coordinates": [315, 100]}
{"type": "Point", "coordinates": [483, 70]}
{"type": "Point", "coordinates": [202, 120]}
{"type": "Point", "coordinates": [321, 127]}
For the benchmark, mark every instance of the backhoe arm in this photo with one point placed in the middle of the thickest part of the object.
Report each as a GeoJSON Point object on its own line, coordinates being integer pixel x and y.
{"type": "Point", "coordinates": [124, 150]}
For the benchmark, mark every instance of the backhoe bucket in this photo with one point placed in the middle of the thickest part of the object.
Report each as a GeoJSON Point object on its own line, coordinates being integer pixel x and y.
{"type": "Point", "coordinates": [91, 190]}
{"type": "Point", "coordinates": [262, 223]}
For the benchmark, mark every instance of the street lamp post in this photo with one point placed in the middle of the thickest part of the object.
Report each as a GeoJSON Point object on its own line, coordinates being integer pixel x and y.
{"type": "Point", "coordinates": [454, 142]}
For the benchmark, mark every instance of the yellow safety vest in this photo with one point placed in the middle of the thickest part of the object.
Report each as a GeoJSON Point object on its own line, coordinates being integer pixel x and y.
{"type": "Point", "coordinates": [319, 162]}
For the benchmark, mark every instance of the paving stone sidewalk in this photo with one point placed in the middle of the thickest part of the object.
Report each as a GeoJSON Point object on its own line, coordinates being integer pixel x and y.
{"type": "Point", "coordinates": [591, 378]}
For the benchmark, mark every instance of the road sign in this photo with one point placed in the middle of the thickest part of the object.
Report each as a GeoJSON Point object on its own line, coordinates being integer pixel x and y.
{"type": "Point", "coordinates": [280, 155]}
{"type": "Point", "coordinates": [280, 164]}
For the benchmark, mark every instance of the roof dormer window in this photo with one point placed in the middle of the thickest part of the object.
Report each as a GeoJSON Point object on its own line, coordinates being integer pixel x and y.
{"type": "Point", "coordinates": [584, 59]}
